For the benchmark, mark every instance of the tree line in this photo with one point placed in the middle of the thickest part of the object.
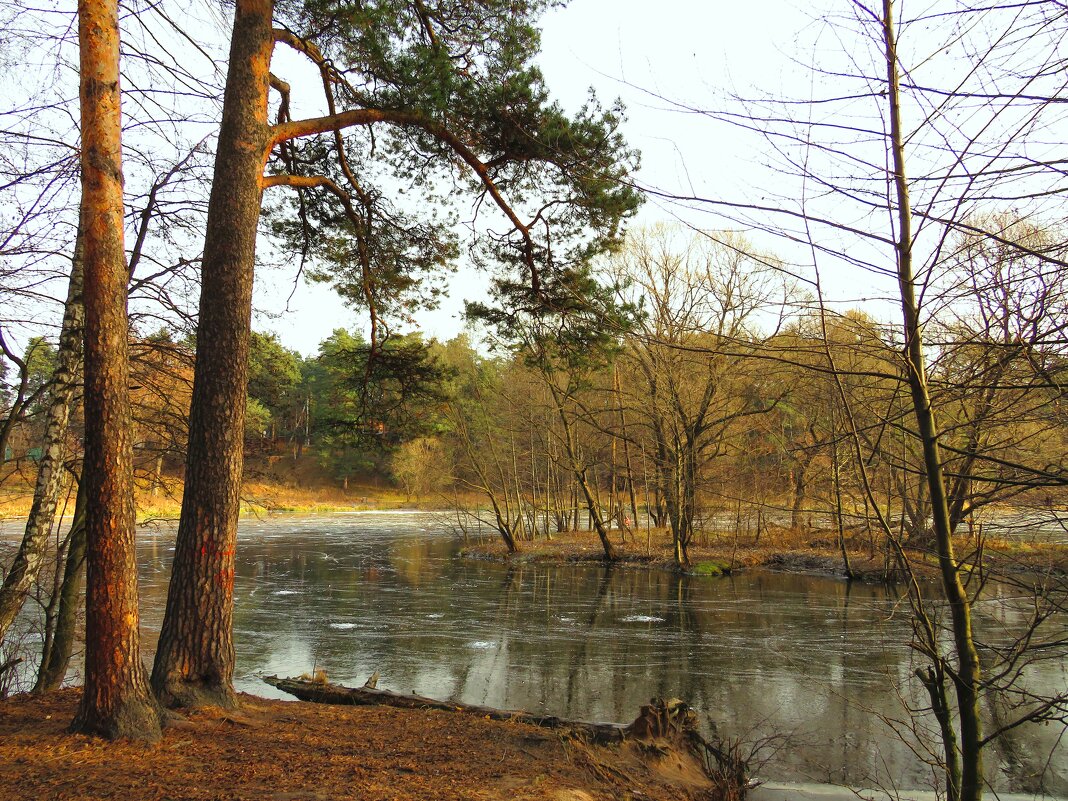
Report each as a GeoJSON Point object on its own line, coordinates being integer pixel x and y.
{"type": "Point", "coordinates": [714, 400]}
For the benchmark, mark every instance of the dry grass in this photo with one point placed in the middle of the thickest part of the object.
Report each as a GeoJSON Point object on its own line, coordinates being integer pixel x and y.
{"type": "Point", "coordinates": [808, 551]}
{"type": "Point", "coordinates": [266, 488]}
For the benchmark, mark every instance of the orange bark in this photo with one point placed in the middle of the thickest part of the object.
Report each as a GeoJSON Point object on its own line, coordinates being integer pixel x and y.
{"type": "Point", "coordinates": [195, 659]}
{"type": "Point", "coordinates": [116, 701]}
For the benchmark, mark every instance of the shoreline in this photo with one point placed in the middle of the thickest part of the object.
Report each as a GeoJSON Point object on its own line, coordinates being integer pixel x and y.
{"type": "Point", "coordinates": [257, 498]}
{"type": "Point", "coordinates": [290, 750]}
{"type": "Point", "coordinates": [785, 791]}
{"type": "Point", "coordinates": [297, 751]}
{"type": "Point", "coordinates": [806, 553]}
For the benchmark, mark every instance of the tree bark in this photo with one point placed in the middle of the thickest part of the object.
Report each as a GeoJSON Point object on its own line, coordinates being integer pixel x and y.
{"type": "Point", "coordinates": [836, 478]}
{"type": "Point", "coordinates": [54, 667]}
{"type": "Point", "coordinates": [195, 659]}
{"type": "Point", "coordinates": [799, 485]}
{"type": "Point", "coordinates": [967, 679]}
{"type": "Point", "coordinates": [322, 693]}
{"type": "Point", "coordinates": [30, 555]}
{"type": "Point", "coordinates": [627, 466]}
{"type": "Point", "coordinates": [158, 472]}
{"type": "Point", "coordinates": [504, 527]}
{"type": "Point", "coordinates": [116, 701]}
{"type": "Point", "coordinates": [686, 505]}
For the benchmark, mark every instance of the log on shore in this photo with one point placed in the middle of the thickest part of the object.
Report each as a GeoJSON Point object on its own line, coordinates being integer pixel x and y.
{"type": "Point", "coordinates": [323, 693]}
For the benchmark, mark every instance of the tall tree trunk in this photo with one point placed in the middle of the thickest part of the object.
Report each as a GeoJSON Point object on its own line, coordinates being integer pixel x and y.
{"type": "Point", "coordinates": [933, 679]}
{"type": "Point", "coordinates": [550, 498]}
{"type": "Point", "coordinates": [580, 476]}
{"type": "Point", "coordinates": [627, 466]}
{"type": "Point", "coordinates": [504, 525]}
{"type": "Point", "coordinates": [116, 701]}
{"type": "Point", "coordinates": [836, 478]}
{"type": "Point", "coordinates": [800, 486]}
{"type": "Point", "coordinates": [687, 507]}
{"type": "Point", "coordinates": [614, 513]}
{"type": "Point", "coordinates": [968, 678]}
{"type": "Point", "coordinates": [54, 665]}
{"type": "Point", "coordinates": [158, 471]}
{"type": "Point", "coordinates": [672, 482]}
{"type": "Point", "coordinates": [48, 628]}
{"type": "Point", "coordinates": [195, 659]}
{"type": "Point", "coordinates": [28, 559]}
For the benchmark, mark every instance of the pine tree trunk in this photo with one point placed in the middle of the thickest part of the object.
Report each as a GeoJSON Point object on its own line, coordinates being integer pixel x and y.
{"type": "Point", "coordinates": [195, 660]}
{"type": "Point", "coordinates": [28, 559]}
{"type": "Point", "coordinates": [116, 701]}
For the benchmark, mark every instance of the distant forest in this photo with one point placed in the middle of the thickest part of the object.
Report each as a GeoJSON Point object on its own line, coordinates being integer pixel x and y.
{"type": "Point", "coordinates": [714, 393]}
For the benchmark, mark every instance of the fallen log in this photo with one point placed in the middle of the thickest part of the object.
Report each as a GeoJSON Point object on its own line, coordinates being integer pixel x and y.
{"type": "Point", "coordinates": [672, 723]}
{"type": "Point", "coordinates": [324, 693]}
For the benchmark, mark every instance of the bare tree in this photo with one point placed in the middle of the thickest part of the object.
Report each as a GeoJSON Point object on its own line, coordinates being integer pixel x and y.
{"type": "Point", "coordinates": [910, 151]}
{"type": "Point", "coordinates": [704, 301]}
{"type": "Point", "coordinates": [65, 383]}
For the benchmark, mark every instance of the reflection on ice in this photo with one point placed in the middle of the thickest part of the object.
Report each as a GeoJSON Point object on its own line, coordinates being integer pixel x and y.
{"type": "Point", "coordinates": [758, 653]}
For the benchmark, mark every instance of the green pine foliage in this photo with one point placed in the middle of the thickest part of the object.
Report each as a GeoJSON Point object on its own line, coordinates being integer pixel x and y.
{"type": "Point", "coordinates": [475, 159]}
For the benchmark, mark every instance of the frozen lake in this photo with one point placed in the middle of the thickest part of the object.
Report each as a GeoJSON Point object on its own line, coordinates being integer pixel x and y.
{"type": "Point", "coordinates": [760, 653]}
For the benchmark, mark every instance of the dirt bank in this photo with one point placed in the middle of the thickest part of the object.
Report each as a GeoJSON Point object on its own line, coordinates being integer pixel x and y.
{"type": "Point", "coordinates": [281, 751]}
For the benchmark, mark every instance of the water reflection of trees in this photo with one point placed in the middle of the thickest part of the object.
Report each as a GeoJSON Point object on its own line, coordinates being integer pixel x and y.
{"type": "Point", "coordinates": [768, 652]}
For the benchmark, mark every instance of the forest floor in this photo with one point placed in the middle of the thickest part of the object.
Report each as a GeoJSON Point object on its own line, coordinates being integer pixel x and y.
{"type": "Point", "coordinates": [811, 551]}
{"type": "Point", "coordinates": [292, 751]}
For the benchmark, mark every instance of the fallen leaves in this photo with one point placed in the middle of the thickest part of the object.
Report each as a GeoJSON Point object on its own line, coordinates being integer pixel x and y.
{"type": "Point", "coordinates": [303, 752]}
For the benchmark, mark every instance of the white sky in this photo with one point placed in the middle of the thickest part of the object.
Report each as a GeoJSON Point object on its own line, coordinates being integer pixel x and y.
{"type": "Point", "coordinates": [684, 50]}
{"type": "Point", "coordinates": [660, 58]}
